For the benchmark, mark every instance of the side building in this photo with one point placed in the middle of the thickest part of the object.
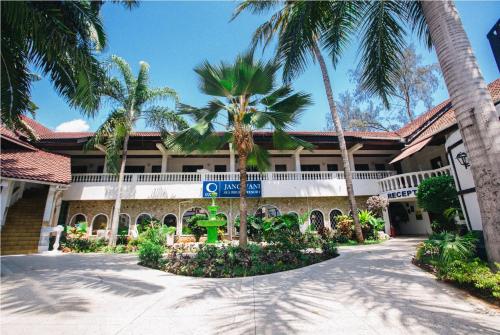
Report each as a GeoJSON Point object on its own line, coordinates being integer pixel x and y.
{"type": "Point", "coordinates": [172, 186]}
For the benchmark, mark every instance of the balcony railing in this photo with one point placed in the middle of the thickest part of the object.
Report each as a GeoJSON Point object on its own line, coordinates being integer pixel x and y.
{"type": "Point", "coordinates": [409, 180]}
{"type": "Point", "coordinates": [189, 177]}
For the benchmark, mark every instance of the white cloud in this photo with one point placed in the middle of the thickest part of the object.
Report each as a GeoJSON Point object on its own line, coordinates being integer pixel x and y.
{"type": "Point", "coordinates": [73, 126]}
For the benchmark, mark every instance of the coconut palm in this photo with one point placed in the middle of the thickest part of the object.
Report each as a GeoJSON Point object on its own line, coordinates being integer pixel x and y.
{"type": "Point", "coordinates": [58, 38]}
{"type": "Point", "coordinates": [246, 99]}
{"type": "Point", "coordinates": [132, 100]}
{"type": "Point", "coordinates": [381, 27]}
{"type": "Point", "coordinates": [301, 31]}
{"type": "Point", "coordinates": [474, 110]}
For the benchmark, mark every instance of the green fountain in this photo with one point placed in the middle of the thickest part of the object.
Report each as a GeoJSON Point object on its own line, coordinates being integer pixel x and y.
{"type": "Point", "coordinates": [213, 222]}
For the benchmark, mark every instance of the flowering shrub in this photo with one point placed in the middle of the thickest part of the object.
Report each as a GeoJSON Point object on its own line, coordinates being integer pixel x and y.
{"type": "Point", "coordinates": [376, 204]}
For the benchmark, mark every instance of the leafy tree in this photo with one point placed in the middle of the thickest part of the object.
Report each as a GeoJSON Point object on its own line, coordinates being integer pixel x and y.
{"type": "Point", "coordinates": [133, 100]}
{"type": "Point", "coordinates": [303, 29]}
{"type": "Point", "coordinates": [251, 101]}
{"type": "Point", "coordinates": [59, 38]}
{"type": "Point", "coordinates": [356, 117]}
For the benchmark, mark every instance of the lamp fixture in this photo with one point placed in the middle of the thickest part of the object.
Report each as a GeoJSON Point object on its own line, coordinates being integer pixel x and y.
{"type": "Point", "coordinates": [462, 158]}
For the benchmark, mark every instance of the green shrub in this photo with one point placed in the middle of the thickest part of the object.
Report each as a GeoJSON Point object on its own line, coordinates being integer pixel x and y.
{"type": "Point", "coordinates": [254, 227]}
{"type": "Point", "coordinates": [193, 228]}
{"type": "Point", "coordinates": [151, 254]}
{"type": "Point", "coordinates": [475, 273]}
{"type": "Point", "coordinates": [448, 247]}
{"type": "Point", "coordinates": [436, 194]}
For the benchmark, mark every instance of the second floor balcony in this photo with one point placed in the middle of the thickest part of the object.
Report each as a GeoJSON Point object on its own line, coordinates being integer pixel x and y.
{"type": "Point", "coordinates": [180, 185]}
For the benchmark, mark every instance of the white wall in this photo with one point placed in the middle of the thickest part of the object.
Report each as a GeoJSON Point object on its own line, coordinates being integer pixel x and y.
{"type": "Point", "coordinates": [190, 190]}
{"type": "Point", "coordinates": [463, 181]}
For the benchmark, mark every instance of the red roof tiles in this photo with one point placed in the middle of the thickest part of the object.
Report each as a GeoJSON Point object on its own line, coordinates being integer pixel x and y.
{"type": "Point", "coordinates": [36, 165]}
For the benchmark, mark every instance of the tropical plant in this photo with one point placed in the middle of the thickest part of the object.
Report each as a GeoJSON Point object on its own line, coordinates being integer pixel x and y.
{"type": "Point", "coordinates": [382, 25]}
{"type": "Point", "coordinates": [302, 29]}
{"type": "Point", "coordinates": [59, 38]}
{"type": "Point", "coordinates": [133, 100]}
{"type": "Point", "coordinates": [451, 247]}
{"type": "Point", "coordinates": [252, 102]}
{"type": "Point", "coordinates": [151, 254]}
{"type": "Point", "coordinates": [194, 228]}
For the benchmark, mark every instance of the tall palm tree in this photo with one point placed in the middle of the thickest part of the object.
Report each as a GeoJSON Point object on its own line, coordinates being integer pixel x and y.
{"type": "Point", "coordinates": [438, 25]}
{"type": "Point", "coordinates": [59, 38]}
{"type": "Point", "coordinates": [474, 110]}
{"type": "Point", "coordinates": [301, 30]}
{"type": "Point", "coordinates": [132, 100]}
{"type": "Point", "coordinates": [251, 101]}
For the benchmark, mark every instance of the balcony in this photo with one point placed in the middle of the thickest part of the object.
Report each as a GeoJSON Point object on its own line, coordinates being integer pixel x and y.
{"type": "Point", "coordinates": [180, 185]}
{"type": "Point", "coordinates": [404, 186]}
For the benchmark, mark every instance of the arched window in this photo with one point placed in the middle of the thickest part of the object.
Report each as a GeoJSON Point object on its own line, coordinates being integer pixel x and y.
{"type": "Point", "coordinates": [267, 211]}
{"type": "Point", "coordinates": [188, 215]}
{"type": "Point", "coordinates": [142, 220]}
{"type": "Point", "coordinates": [333, 217]}
{"type": "Point", "coordinates": [170, 220]}
{"type": "Point", "coordinates": [100, 222]}
{"type": "Point", "coordinates": [123, 224]}
{"type": "Point", "coordinates": [316, 220]}
{"type": "Point", "coordinates": [76, 219]}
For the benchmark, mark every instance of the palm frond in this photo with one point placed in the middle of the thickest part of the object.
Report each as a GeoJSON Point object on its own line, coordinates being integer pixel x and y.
{"type": "Point", "coordinates": [164, 119]}
{"type": "Point", "coordinates": [259, 158]}
{"type": "Point", "coordinates": [284, 141]}
{"type": "Point", "coordinates": [126, 73]}
{"type": "Point", "coordinates": [382, 42]}
{"type": "Point", "coordinates": [417, 22]}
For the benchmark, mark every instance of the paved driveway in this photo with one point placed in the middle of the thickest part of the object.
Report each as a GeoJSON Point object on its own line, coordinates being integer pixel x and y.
{"type": "Point", "coordinates": [367, 290]}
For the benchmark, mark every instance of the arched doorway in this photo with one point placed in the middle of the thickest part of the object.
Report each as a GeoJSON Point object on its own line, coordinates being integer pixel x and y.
{"type": "Point", "coordinates": [100, 222]}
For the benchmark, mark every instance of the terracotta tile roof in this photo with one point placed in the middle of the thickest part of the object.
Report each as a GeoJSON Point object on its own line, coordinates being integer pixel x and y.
{"type": "Point", "coordinates": [432, 121]}
{"type": "Point", "coordinates": [36, 165]}
{"type": "Point", "coordinates": [442, 121]}
{"type": "Point", "coordinates": [8, 135]}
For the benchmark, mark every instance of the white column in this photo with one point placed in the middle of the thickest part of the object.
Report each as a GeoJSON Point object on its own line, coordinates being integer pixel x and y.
{"type": "Point", "coordinates": [45, 230]}
{"type": "Point", "coordinates": [102, 148]}
{"type": "Point", "coordinates": [164, 157]}
{"type": "Point", "coordinates": [350, 154]}
{"type": "Point", "coordinates": [296, 156]}
{"type": "Point", "coordinates": [6, 194]}
{"type": "Point", "coordinates": [232, 160]}
{"type": "Point", "coordinates": [387, 221]}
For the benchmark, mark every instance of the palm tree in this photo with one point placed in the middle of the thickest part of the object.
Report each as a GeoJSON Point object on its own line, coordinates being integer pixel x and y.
{"type": "Point", "coordinates": [251, 102]}
{"type": "Point", "coordinates": [381, 25]}
{"type": "Point", "coordinates": [301, 29]}
{"type": "Point", "coordinates": [59, 38]}
{"type": "Point", "coordinates": [474, 110]}
{"type": "Point", "coordinates": [132, 100]}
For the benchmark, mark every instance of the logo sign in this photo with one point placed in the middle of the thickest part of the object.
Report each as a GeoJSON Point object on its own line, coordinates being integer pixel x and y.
{"type": "Point", "coordinates": [402, 194]}
{"type": "Point", "coordinates": [231, 189]}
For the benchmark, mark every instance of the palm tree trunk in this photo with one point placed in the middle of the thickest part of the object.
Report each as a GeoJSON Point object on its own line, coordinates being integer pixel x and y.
{"type": "Point", "coordinates": [342, 144]}
{"type": "Point", "coordinates": [474, 110]}
{"type": "Point", "coordinates": [118, 201]}
{"type": "Point", "coordinates": [243, 200]}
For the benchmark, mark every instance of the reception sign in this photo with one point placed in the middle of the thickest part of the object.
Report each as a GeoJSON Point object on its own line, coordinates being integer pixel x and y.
{"type": "Point", "coordinates": [231, 189]}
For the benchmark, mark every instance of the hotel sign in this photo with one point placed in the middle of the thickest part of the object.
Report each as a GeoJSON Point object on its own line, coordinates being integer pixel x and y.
{"type": "Point", "coordinates": [411, 192]}
{"type": "Point", "coordinates": [231, 189]}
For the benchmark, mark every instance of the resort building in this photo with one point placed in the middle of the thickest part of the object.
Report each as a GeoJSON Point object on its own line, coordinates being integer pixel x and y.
{"type": "Point", "coordinates": [54, 181]}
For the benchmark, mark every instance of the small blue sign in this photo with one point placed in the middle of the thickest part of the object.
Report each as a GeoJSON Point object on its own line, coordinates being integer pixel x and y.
{"type": "Point", "coordinates": [231, 189]}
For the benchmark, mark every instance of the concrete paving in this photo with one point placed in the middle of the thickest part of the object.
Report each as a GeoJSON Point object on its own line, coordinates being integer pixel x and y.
{"type": "Point", "coordinates": [367, 290]}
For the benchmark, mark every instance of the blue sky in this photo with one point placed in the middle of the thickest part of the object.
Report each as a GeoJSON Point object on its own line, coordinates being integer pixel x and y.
{"type": "Point", "coordinates": [174, 37]}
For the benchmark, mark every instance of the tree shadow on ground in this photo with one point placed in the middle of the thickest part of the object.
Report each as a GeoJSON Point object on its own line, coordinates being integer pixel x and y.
{"type": "Point", "coordinates": [49, 285]}
{"type": "Point", "coordinates": [372, 290]}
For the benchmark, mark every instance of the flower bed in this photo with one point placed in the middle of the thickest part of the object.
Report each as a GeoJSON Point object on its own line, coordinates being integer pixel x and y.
{"type": "Point", "coordinates": [227, 261]}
